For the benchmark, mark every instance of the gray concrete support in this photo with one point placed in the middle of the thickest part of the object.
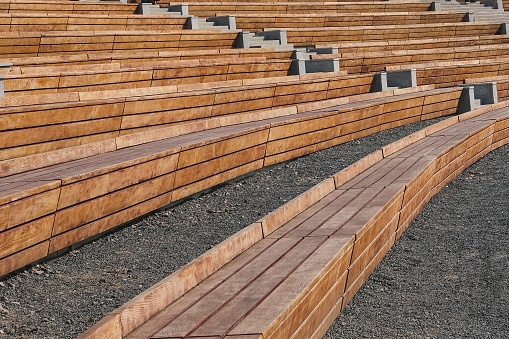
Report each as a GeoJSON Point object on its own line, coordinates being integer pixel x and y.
{"type": "Point", "coordinates": [476, 95]}
{"type": "Point", "coordinates": [384, 81]}
{"type": "Point", "coordinates": [300, 67]}
{"type": "Point", "coordinates": [274, 35]}
{"type": "Point", "coordinates": [226, 20]}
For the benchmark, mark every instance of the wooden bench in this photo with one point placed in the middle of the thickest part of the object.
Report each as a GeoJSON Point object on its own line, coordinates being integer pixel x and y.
{"type": "Point", "coordinates": [336, 35]}
{"type": "Point", "coordinates": [138, 74]}
{"type": "Point", "coordinates": [80, 118]}
{"type": "Point", "coordinates": [66, 7]}
{"type": "Point", "coordinates": [417, 44]}
{"type": "Point", "coordinates": [376, 62]}
{"type": "Point", "coordinates": [454, 73]}
{"type": "Point", "coordinates": [30, 22]}
{"type": "Point", "coordinates": [123, 177]}
{"type": "Point", "coordinates": [208, 9]}
{"type": "Point", "coordinates": [258, 22]}
{"type": "Point", "coordinates": [87, 61]}
{"type": "Point", "coordinates": [25, 44]}
{"type": "Point", "coordinates": [291, 273]}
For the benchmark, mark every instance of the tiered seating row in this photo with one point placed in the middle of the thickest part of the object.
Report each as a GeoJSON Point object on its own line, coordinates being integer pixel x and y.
{"type": "Point", "coordinates": [454, 73]}
{"type": "Point", "coordinates": [417, 44]}
{"type": "Point", "coordinates": [25, 44]}
{"type": "Point", "coordinates": [124, 59]}
{"type": "Point", "coordinates": [208, 9]}
{"type": "Point", "coordinates": [292, 272]}
{"type": "Point", "coordinates": [141, 74]}
{"type": "Point", "coordinates": [376, 62]}
{"type": "Point", "coordinates": [336, 35]}
{"type": "Point", "coordinates": [66, 7]}
{"type": "Point", "coordinates": [74, 200]}
{"type": "Point", "coordinates": [258, 22]}
{"type": "Point", "coordinates": [79, 118]}
{"type": "Point", "coordinates": [74, 22]}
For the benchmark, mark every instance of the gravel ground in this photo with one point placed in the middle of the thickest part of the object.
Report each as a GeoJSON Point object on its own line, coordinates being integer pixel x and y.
{"type": "Point", "coordinates": [62, 297]}
{"type": "Point", "coordinates": [448, 276]}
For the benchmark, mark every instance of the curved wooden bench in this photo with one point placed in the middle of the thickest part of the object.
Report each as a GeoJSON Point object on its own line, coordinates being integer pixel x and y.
{"type": "Point", "coordinates": [454, 73]}
{"type": "Point", "coordinates": [418, 43]}
{"type": "Point", "coordinates": [41, 123]}
{"type": "Point", "coordinates": [259, 22]}
{"type": "Point", "coordinates": [127, 59]}
{"type": "Point", "coordinates": [377, 61]}
{"type": "Point", "coordinates": [122, 178]}
{"type": "Point", "coordinates": [30, 22]}
{"type": "Point", "coordinates": [208, 9]}
{"type": "Point", "coordinates": [142, 75]}
{"type": "Point", "coordinates": [336, 35]}
{"type": "Point", "coordinates": [24, 44]}
{"type": "Point", "coordinates": [292, 272]}
{"type": "Point", "coordinates": [66, 7]}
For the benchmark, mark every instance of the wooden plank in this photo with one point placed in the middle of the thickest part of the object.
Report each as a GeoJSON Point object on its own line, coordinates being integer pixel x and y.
{"type": "Point", "coordinates": [103, 184]}
{"type": "Point", "coordinates": [214, 280]}
{"type": "Point", "coordinates": [204, 153]}
{"type": "Point", "coordinates": [26, 235]}
{"type": "Point", "coordinates": [294, 207]}
{"type": "Point", "coordinates": [284, 310]}
{"type": "Point", "coordinates": [23, 258]}
{"type": "Point", "coordinates": [237, 309]}
{"type": "Point", "coordinates": [77, 215]}
{"type": "Point", "coordinates": [212, 302]}
{"type": "Point", "coordinates": [32, 207]}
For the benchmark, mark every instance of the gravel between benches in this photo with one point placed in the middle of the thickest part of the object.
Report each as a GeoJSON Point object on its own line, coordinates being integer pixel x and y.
{"type": "Point", "coordinates": [62, 297]}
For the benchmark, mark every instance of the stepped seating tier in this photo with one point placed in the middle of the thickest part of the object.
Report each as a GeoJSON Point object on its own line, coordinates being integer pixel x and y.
{"type": "Point", "coordinates": [290, 273]}
{"type": "Point", "coordinates": [336, 35]}
{"type": "Point", "coordinates": [87, 61]}
{"type": "Point", "coordinates": [259, 22]}
{"type": "Point", "coordinates": [454, 73]}
{"type": "Point", "coordinates": [26, 44]}
{"type": "Point", "coordinates": [208, 9]}
{"type": "Point", "coordinates": [407, 45]}
{"type": "Point", "coordinates": [132, 175]}
{"type": "Point", "coordinates": [376, 62]}
{"type": "Point", "coordinates": [141, 74]}
{"type": "Point", "coordinates": [66, 7]}
{"type": "Point", "coordinates": [80, 22]}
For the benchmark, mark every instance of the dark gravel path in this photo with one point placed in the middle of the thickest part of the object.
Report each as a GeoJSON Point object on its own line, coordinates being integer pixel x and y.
{"type": "Point", "coordinates": [448, 276]}
{"type": "Point", "coordinates": [64, 296]}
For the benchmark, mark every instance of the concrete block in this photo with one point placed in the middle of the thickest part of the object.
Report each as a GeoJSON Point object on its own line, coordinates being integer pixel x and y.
{"type": "Point", "coordinates": [226, 20]}
{"type": "Point", "coordinates": [192, 22]}
{"type": "Point", "coordinates": [504, 29]}
{"type": "Point", "coordinates": [143, 8]}
{"type": "Point", "coordinates": [384, 81]}
{"type": "Point", "coordinates": [243, 40]}
{"type": "Point", "coordinates": [279, 35]}
{"type": "Point", "coordinates": [324, 50]}
{"type": "Point", "coordinates": [469, 17]}
{"type": "Point", "coordinates": [496, 4]}
{"type": "Point", "coordinates": [182, 9]}
{"type": "Point", "coordinates": [476, 95]}
{"type": "Point", "coordinates": [436, 6]}
{"type": "Point", "coordinates": [300, 67]}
